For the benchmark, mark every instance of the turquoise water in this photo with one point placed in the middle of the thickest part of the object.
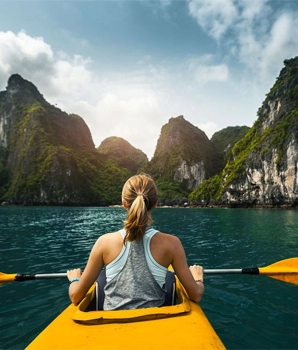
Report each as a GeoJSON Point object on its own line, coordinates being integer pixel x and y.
{"type": "Point", "coordinates": [248, 312]}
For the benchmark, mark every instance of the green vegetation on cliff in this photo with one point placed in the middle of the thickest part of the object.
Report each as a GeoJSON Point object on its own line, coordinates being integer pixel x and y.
{"type": "Point", "coordinates": [48, 156]}
{"type": "Point", "coordinates": [182, 146]}
{"type": "Point", "coordinates": [224, 140]}
{"type": "Point", "coordinates": [268, 133]}
{"type": "Point", "coordinates": [123, 154]}
{"type": "Point", "coordinates": [265, 143]}
{"type": "Point", "coordinates": [46, 163]}
{"type": "Point", "coordinates": [51, 158]}
{"type": "Point", "coordinates": [208, 191]}
{"type": "Point", "coordinates": [4, 171]}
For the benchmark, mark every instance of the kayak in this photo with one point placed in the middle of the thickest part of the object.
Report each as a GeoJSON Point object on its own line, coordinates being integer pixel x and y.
{"type": "Point", "coordinates": [180, 326]}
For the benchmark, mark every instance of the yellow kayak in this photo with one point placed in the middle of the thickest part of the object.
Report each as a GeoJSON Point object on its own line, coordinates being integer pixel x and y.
{"type": "Point", "coordinates": [180, 326]}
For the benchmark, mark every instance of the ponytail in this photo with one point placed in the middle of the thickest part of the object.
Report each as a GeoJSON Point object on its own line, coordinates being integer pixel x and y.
{"type": "Point", "coordinates": [139, 195]}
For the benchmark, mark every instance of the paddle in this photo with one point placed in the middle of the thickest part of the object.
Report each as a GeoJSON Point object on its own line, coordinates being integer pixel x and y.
{"type": "Point", "coordinates": [14, 277]}
{"type": "Point", "coordinates": [284, 270]}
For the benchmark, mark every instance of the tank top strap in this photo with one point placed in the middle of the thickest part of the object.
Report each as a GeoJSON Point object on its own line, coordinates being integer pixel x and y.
{"type": "Point", "coordinates": [150, 232]}
{"type": "Point", "coordinates": [122, 232]}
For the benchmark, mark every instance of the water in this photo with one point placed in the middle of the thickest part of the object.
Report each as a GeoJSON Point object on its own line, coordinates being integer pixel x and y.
{"type": "Point", "coordinates": [248, 312]}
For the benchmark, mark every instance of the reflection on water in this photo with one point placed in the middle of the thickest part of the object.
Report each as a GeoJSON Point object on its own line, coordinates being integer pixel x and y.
{"type": "Point", "coordinates": [248, 312]}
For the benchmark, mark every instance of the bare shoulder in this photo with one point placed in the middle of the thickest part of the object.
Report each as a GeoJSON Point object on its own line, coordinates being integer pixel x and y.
{"type": "Point", "coordinates": [108, 246]}
{"type": "Point", "coordinates": [165, 248]}
{"type": "Point", "coordinates": [109, 238]}
{"type": "Point", "coordinates": [173, 242]}
{"type": "Point", "coordinates": [170, 237]}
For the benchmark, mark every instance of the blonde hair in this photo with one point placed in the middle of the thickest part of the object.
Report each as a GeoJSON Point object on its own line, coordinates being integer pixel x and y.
{"type": "Point", "coordinates": [139, 196]}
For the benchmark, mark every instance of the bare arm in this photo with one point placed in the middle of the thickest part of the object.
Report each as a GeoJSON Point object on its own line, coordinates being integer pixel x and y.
{"type": "Point", "coordinates": [190, 277]}
{"type": "Point", "coordinates": [78, 289]}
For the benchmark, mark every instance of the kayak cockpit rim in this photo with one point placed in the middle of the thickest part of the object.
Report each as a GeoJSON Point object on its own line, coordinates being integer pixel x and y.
{"type": "Point", "coordinates": [83, 315]}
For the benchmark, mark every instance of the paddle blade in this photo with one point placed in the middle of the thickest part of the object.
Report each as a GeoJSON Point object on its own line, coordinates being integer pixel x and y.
{"type": "Point", "coordinates": [284, 270]}
{"type": "Point", "coordinates": [4, 277]}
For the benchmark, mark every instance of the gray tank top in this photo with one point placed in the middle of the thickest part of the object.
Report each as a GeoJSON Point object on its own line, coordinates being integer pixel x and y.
{"type": "Point", "coordinates": [133, 287]}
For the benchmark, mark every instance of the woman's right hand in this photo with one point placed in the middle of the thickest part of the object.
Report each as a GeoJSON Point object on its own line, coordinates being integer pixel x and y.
{"type": "Point", "coordinates": [197, 272]}
{"type": "Point", "coordinates": [75, 273]}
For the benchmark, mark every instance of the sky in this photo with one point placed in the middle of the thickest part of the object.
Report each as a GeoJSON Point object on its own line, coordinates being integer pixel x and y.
{"type": "Point", "coordinates": [128, 66]}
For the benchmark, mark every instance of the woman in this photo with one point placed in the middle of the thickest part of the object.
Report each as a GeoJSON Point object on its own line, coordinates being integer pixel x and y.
{"type": "Point", "coordinates": [137, 257]}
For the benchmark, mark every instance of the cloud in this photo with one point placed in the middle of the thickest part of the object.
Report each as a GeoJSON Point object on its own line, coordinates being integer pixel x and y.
{"type": "Point", "coordinates": [214, 16]}
{"type": "Point", "coordinates": [258, 33]}
{"type": "Point", "coordinates": [282, 43]}
{"type": "Point", "coordinates": [115, 104]}
{"type": "Point", "coordinates": [33, 58]}
{"type": "Point", "coordinates": [71, 76]}
{"type": "Point", "coordinates": [22, 52]}
{"type": "Point", "coordinates": [203, 71]}
{"type": "Point", "coordinates": [133, 104]}
{"type": "Point", "coordinates": [126, 110]}
{"type": "Point", "coordinates": [205, 74]}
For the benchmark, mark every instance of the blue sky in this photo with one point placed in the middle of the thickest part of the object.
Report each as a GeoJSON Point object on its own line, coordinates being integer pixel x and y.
{"type": "Point", "coordinates": [128, 66]}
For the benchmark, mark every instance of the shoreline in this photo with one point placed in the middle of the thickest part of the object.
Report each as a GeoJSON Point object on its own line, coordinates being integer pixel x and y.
{"type": "Point", "coordinates": [185, 206]}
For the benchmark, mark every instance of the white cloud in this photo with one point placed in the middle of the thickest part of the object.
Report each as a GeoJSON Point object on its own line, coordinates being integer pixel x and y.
{"type": "Point", "coordinates": [125, 105]}
{"type": "Point", "coordinates": [282, 43]}
{"type": "Point", "coordinates": [57, 75]}
{"type": "Point", "coordinates": [128, 111]}
{"type": "Point", "coordinates": [252, 10]}
{"type": "Point", "coordinates": [34, 49]}
{"type": "Point", "coordinates": [214, 16]}
{"type": "Point", "coordinates": [257, 33]}
{"type": "Point", "coordinates": [136, 103]}
{"type": "Point", "coordinates": [71, 76]}
{"type": "Point", "coordinates": [203, 71]}
{"type": "Point", "coordinates": [24, 54]}
{"type": "Point", "coordinates": [205, 74]}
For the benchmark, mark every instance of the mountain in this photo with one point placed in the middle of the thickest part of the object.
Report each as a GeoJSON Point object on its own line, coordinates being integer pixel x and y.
{"type": "Point", "coordinates": [224, 140]}
{"type": "Point", "coordinates": [49, 153]}
{"type": "Point", "coordinates": [262, 167]}
{"type": "Point", "coordinates": [48, 156]}
{"type": "Point", "coordinates": [184, 157]}
{"type": "Point", "coordinates": [123, 154]}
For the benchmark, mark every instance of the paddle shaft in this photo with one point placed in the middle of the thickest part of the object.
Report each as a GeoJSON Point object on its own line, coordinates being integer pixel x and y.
{"type": "Point", "coordinates": [249, 271]}
{"type": "Point", "coordinates": [24, 277]}
{"type": "Point", "coordinates": [27, 277]}
{"type": "Point", "coordinates": [285, 270]}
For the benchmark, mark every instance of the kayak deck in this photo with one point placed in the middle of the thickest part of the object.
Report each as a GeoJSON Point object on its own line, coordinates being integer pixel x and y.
{"type": "Point", "coordinates": [181, 326]}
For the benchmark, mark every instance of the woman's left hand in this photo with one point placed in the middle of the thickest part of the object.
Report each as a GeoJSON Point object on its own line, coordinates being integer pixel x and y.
{"type": "Point", "coordinates": [197, 272]}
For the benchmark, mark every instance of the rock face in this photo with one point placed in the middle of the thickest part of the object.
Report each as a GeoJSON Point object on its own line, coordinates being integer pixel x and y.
{"type": "Point", "coordinates": [262, 169]}
{"type": "Point", "coordinates": [183, 158]}
{"type": "Point", "coordinates": [225, 139]}
{"type": "Point", "coordinates": [194, 174]}
{"type": "Point", "coordinates": [48, 152]}
{"type": "Point", "coordinates": [48, 156]}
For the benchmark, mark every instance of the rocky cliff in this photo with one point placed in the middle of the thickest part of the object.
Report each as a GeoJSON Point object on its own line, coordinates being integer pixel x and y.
{"type": "Point", "coordinates": [49, 153]}
{"type": "Point", "coordinates": [184, 157]}
{"type": "Point", "coordinates": [48, 156]}
{"type": "Point", "coordinates": [224, 141]}
{"type": "Point", "coordinates": [123, 154]}
{"type": "Point", "coordinates": [262, 168]}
